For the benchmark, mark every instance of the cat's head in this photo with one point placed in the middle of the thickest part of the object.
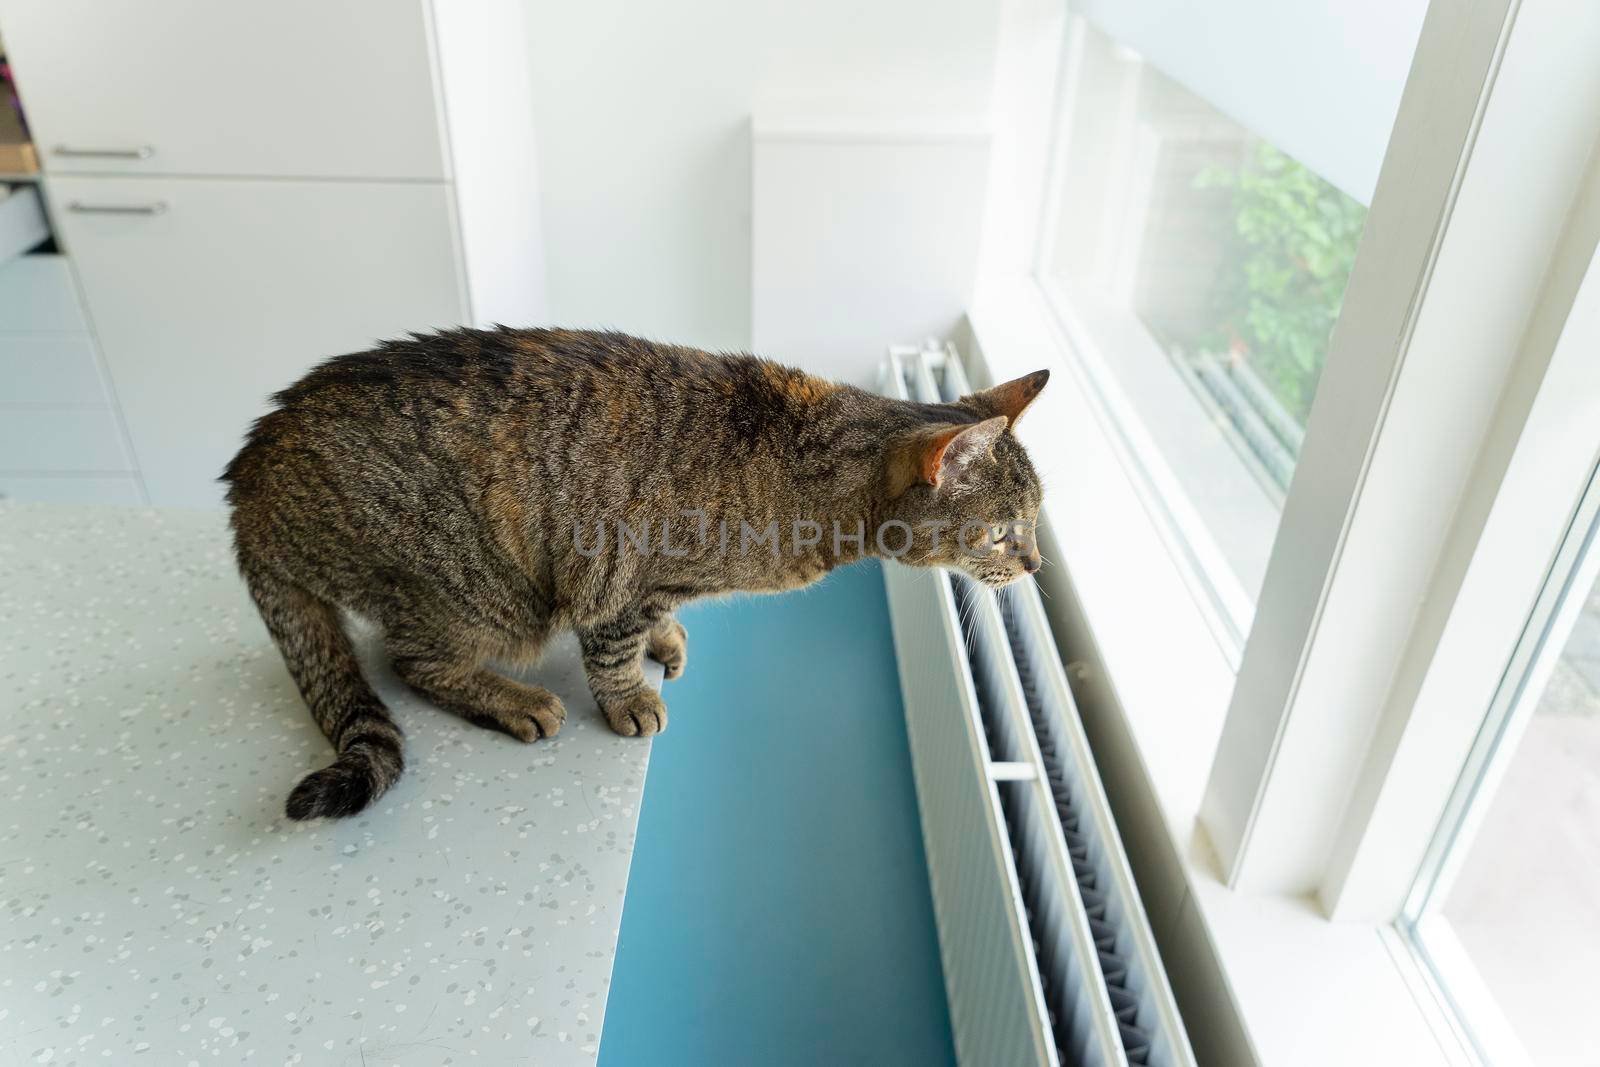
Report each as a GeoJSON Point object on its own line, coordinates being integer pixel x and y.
{"type": "Point", "coordinates": [967, 489]}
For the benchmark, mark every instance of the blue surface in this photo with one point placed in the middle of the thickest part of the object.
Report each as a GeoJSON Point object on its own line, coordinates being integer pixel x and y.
{"type": "Point", "coordinates": [778, 909]}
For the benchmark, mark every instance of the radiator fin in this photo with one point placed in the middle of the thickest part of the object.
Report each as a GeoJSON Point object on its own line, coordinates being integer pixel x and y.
{"type": "Point", "coordinates": [1151, 1030]}
{"type": "Point", "coordinates": [1069, 959]}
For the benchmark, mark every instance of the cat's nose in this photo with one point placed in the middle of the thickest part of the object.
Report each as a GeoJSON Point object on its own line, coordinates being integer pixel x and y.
{"type": "Point", "coordinates": [1031, 563]}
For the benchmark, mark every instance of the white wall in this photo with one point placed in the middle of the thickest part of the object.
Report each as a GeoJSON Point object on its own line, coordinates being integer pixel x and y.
{"type": "Point", "coordinates": [1023, 124]}
{"type": "Point", "coordinates": [863, 237]}
{"type": "Point", "coordinates": [643, 128]}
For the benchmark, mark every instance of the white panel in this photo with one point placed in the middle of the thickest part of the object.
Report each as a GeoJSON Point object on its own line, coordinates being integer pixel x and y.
{"type": "Point", "coordinates": [60, 439]}
{"type": "Point", "coordinates": [235, 289]}
{"type": "Point", "coordinates": [996, 1009]}
{"type": "Point", "coordinates": [1321, 79]}
{"type": "Point", "coordinates": [488, 97]}
{"type": "Point", "coordinates": [49, 368]}
{"type": "Point", "coordinates": [37, 293]}
{"type": "Point", "coordinates": [291, 87]}
{"type": "Point", "coordinates": [861, 235]}
{"type": "Point", "coordinates": [62, 489]}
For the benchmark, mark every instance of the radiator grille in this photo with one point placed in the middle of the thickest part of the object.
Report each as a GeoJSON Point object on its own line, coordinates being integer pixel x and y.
{"type": "Point", "coordinates": [1080, 943]}
{"type": "Point", "coordinates": [1122, 966]}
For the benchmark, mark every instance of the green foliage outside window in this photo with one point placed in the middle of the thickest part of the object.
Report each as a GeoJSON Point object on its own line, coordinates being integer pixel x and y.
{"type": "Point", "coordinates": [1277, 301]}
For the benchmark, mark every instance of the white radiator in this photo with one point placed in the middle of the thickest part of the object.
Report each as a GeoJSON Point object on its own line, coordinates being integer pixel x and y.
{"type": "Point", "coordinates": [1047, 952]}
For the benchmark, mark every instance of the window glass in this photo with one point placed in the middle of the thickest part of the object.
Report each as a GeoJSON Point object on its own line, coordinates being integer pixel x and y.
{"type": "Point", "coordinates": [1200, 271]}
{"type": "Point", "coordinates": [1511, 915]}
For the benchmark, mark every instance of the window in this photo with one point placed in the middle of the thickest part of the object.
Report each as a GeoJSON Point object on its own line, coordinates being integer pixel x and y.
{"type": "Point", "coordinates": [1507, 911]}
{"type": "Point", "coordinates": [1375, 368]}
{"type": "Point", "coordinates": [1200, 271]}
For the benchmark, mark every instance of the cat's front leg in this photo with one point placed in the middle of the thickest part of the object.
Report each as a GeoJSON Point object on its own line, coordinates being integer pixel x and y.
{"type": "Point", "coordinates": [613, 660]}
{"type": "Point", "coordinates": [668, 645]}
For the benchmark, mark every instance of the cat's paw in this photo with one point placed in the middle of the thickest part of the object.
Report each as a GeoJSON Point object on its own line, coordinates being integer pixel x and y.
{"type": "Point", "coordinates": [642, 715]}
{"type": "Point", "coordinates": [540, 716]}
{"type": "Point", "coordinates": [669, 646]}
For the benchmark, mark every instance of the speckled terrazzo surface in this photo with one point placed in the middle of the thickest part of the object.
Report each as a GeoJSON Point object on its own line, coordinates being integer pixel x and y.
{"type": "Point", "coordinates": [159, 909]}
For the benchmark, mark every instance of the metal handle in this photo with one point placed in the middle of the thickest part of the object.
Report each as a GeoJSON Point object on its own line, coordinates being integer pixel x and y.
{"type": "Point", "coordinates": [156, 207]}
{"type": "Point", "coordinates": [143, 151]}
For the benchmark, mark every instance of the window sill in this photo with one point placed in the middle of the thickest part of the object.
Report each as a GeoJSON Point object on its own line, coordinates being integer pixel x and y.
{"type": "Point", "coordinates": [1265, 979]}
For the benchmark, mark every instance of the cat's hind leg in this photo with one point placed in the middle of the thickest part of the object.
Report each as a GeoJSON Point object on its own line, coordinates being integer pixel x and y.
{"type": "Point", "coordinates": [450, 672]}
{"type": "Point", "coordinates": [668, 645]}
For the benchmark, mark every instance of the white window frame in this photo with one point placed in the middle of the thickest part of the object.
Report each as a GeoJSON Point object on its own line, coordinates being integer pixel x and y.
{"type": "Point", "coordinates": [1485, 592]}
{"type": "Point", "coordinates": [1445, 451]}
{"type": "Point", "coordinates": [1468, 267]}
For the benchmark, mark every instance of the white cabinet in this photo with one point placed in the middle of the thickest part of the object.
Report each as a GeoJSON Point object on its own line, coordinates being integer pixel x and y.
{"type": "Point", "coordinates": [301, 88]}
{"type": "Point", "coordinates": [249, 187]}
{"type": "Point", "coordinates": [209, 295]}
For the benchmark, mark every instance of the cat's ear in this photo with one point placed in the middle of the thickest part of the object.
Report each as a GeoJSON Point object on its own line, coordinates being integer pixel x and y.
{"type": "Point", "coordinates": [1012, 398]}
{"type": "Point", "coordinates": [939, 454]}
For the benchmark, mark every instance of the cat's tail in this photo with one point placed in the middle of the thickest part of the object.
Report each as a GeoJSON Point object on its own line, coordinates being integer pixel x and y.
{"type": "Point", "coordinates": [324, 666]}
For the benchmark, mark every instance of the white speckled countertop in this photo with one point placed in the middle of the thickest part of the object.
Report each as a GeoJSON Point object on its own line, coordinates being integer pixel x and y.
{"type": "Point", "coordinates": [158, 908]}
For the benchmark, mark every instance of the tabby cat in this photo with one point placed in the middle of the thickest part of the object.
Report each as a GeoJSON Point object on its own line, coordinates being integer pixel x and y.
{"type": "Point", "coordinates": [475, 491]}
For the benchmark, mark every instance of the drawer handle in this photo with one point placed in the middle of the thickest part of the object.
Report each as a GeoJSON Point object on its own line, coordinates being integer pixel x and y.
{"type": "Point", "coordinates": [157, 207]}
{"type": "Point", "coordinates": [143, 151]}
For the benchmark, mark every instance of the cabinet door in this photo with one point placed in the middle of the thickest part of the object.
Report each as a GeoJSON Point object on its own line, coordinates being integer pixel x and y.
{"type": "Point", "coordinates": [210, 295]}
{"type": "Point", "coordinates": [298, 88]}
